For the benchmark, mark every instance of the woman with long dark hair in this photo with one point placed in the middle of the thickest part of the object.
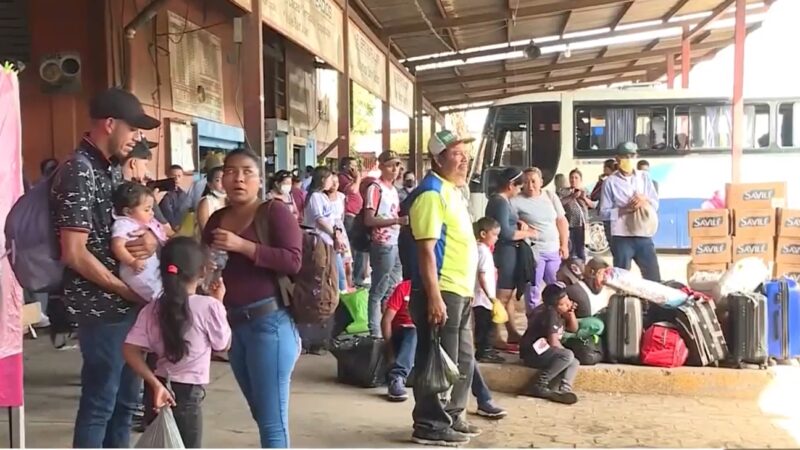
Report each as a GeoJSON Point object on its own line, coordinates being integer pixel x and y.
{"type": "Point", "coordinates": [182, 329]}
{"type": "Point", "coordinates": [320, 215]}
{"type": "Point", "coordinates": [265, 342]}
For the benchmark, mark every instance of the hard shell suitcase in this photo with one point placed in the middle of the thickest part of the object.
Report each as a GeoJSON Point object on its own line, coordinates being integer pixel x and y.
{"type": "Point", "coordinates": [746, 328]}
{"type": "Point", "coordinates": [624, 325]}
{"type": "Point", "coordinates": [698, 325]}
{"type": "Point", "coordinates": [783, 316]}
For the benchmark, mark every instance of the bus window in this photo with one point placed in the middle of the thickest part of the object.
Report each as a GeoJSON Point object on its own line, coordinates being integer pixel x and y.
{"type": "Point", "coordinates": [702, 127]}
{"type": "Point", "coordinates": [603, 128]}
{"type": "Point", "coordinates": [789, 125]}
{"type": "Point", "coordinates": [756, 119]}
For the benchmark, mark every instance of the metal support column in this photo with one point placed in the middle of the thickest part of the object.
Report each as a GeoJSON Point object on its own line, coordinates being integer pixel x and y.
{"type": "Point", "coordinates": [386, 108]}
{"type": "Point", "coordinates": [738, 91]}
{"type": "Point", "coordinates": [671, 71]}
{"type": "Point", "coordinates": [416, 149]}
{"type": "Point", "coordinates": [686, 57]}
{"type": "Point", "coordinates": [252, 64]}
{"type": "Point", "coordinates": [433, 124]}
{"type": "Point", "coordinates": [344, 103]}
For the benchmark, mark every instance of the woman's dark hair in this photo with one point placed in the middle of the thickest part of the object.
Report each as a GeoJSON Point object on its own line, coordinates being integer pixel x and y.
{"type": "Point", "coordinates": [509, 176]}
{"type": "Point", "coordinates": [576, 171]}
{"type": "Point", "coordinates": [318, 177]}
{"type": "Point", "coordinates": [610, 163]}
{"type": "Point", "coordinates": [552, 293]}
{"type": "Point", "coordinates": [182, 262]}
{"type": "Point", "coordinates": [210, 177]}
{"type": "Point", "coordinates": [245, 153]}
{"type": "Point", "coordinates": [129, 195]}
{"type": "Point", "coordinates": [278, 178]}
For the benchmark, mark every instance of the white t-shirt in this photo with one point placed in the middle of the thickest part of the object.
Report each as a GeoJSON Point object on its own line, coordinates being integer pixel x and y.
{"type": "Point", "coordinates": [489, 271]}
{"type": "Point", "coordinates": [382, 197]}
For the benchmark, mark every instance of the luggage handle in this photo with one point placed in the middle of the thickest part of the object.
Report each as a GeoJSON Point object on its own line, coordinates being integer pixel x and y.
{"type": "Point", "coordinates": [777, 317]}
{"type": "Point", "coordinates": [627, 331]}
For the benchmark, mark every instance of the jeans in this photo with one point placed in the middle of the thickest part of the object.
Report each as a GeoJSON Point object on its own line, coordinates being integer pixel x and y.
{"type": "Point", "coordinates": [484, 330]}
{"type": "Point", "coordinates": [639, 249]}
{"type": "Point", "coordinates": [404, 345]}
{"type": "Point", "coordinates": [341, 272]}
{"type": "Point", "coordinates": [547, 265]}
{"type": "Point", "coordinates": [577, 240]}
{"type": "Point", "coordinates": [188, 412]}
{"type": "Point", "coordinates": [479, 388]}
{"type": "Point", "coordinates": [555, 365]}
{"type": "Point", "coordinates": [263, 353]}
{"type": "Point", "coordinates": [430, 412]}
{"type": "Point", "coordinates": [386, 273]}
{"type": "Point", "coordinates": [109, 388]}
{"type": "Point", "coordinates": [360, 259]}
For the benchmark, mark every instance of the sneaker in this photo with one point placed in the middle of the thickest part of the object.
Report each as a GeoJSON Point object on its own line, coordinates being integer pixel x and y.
{"type": "Point", "coordinates": [445, 438]}
{"type": "Point", "coordinates": [397, 390]}
{"type": "Point", "coordinates": [44, 322]}
{"type": "Point", "coordinates": [466, 428]}
{"type": "Point", "coordinates": [565, 398]}
{"type": "Point", "coordinates": [490, 358]}
{"type": "Point", "coordinates": [490, 411]}
{"type": "Point", "coordinates": [539, 391]}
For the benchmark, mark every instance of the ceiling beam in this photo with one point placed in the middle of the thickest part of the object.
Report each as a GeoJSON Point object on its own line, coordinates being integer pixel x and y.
{"type": "Point", "coordinates": [716, 13]}
{"type": "Point", "coordinates": [569, 87]}
{"type": "Point", "coordinates": [549, 80]}
{"type": "Point", "coordinates": [571, 64]}
{"type": "Point", "coordinates": [572, 40]}
{"type": "Point", "coordinates": [481, 19]}
{"type": "Point", "coordinates": [674, 10]}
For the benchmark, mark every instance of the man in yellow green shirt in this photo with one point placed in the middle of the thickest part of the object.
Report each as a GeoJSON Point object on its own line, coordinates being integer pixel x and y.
{"type": "Point", "coordinates": [442, 286]}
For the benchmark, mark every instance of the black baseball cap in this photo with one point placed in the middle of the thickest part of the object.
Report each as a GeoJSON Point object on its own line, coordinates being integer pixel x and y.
{"type": "Point", "coordinates": [119, 104]}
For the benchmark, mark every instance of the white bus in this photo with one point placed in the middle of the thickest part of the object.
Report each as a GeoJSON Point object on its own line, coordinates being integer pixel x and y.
{"type": "Point", "coordinates": [684, 135]}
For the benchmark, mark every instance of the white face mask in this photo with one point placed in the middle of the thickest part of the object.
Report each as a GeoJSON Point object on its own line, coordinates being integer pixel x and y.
{"type": "Point", "coordinates": [286, 189]}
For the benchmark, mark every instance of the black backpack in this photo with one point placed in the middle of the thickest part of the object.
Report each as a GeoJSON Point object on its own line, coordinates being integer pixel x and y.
{"type": "Point", "coordinates": [361, 235]}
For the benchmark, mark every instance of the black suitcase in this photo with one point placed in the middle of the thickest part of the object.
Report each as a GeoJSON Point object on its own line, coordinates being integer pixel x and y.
{"type": "Point", "coordinates": [360, 360]}
{"type": "Point", "coordinates": [746, 328]}
{"type": "Point", "coordinates": [697, 322]}
{"type": "Point", "coordinates": [624, 326]}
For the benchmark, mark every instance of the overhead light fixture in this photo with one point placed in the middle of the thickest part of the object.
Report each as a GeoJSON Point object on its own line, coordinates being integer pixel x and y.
{"type": "Point", "coordinates": [532, 51]}
{"type": "Point", "coordinates": [567, 52]}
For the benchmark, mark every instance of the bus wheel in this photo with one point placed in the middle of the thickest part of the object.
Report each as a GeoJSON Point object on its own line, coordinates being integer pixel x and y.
{"type": "Point", "coordinates": [596, 241]}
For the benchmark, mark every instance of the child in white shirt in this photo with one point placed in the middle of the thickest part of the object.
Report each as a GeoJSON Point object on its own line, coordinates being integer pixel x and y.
{"type": "Point", "coordinates": [487, 231]}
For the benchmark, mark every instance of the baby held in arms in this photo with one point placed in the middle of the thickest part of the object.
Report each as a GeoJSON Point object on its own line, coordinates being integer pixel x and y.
{"type": "Point", "coordinates": [133, 212]}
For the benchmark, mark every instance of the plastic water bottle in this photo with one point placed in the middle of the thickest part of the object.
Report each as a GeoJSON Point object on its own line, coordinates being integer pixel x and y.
{"type": "Point", "coordinates": [218, 260]}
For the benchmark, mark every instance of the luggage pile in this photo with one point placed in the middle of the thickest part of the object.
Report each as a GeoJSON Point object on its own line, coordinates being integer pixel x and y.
{"type": "Point", "coordinates": [754, 321]}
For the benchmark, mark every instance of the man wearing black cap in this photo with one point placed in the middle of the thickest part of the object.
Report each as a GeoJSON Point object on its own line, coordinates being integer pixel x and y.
{"type": "Point", "coordinates": [629, 202]}
{"type": "Point", "coordinates": [97, 299]}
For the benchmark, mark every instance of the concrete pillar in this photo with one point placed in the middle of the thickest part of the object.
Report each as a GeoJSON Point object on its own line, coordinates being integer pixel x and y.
{"type": "Point", "coordinates": [344, 88]}
{"type": "Point", "coordinates": [738, 91]}
{"type": "Point", "coordinates": [253, 80]}
{"type": "Point", "coordinates": [686, 57]}
{"type": "Point", "coordinates": [421, 146]}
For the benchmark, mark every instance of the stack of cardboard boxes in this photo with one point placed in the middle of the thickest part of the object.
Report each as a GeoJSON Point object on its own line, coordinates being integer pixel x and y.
{"type": "Point", "coordinates": [756, 214]}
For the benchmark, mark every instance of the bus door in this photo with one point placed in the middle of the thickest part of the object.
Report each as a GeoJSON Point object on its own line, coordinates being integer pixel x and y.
{"type": "Point", "coordinates": [545, 138]}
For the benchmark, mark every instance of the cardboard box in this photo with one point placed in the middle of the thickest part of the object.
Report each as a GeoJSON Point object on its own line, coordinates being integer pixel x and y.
{"type": "Point", "coordinates": [789, 222]}
{"type": "Point", "coordinates": [755, 195]}
{"type": "Point", "coordinates": [711, 250]}
{"type": "Point", "coordinates": [754, 246]}
{"type": "Point", "coordinates": [693, 267]}
{"type": "Point", "coordinates": [709, 222]}
{"type": "Point", "coordinates": [31, 314]}
{"type": "Point", "coordinates": [754, 222]}
{"type": "Point", "coordinates": [788, 250]}
{"type": "Point", "coordinates": [787, 270]}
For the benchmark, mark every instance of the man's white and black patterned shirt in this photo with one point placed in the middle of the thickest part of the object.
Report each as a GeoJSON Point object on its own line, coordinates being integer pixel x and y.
{"type": "Point", "coordinates": [81, 200]}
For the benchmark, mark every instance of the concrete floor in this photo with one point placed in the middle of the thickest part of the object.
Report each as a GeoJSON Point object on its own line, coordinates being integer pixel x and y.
{"type": "Point", "coordinates": [327, 414]}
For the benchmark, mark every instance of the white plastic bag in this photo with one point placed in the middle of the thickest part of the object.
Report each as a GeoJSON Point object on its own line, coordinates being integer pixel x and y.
{"type": "Point", "coordinates": [162, 433]}
{"type": "Point", "coordinates": [743, 276]}
{"type": "Point", "coordinates": [632, 284]}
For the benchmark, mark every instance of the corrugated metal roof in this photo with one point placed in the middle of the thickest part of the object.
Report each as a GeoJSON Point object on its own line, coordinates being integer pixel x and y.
{"type": "Point", "coordinates": [466, 24]}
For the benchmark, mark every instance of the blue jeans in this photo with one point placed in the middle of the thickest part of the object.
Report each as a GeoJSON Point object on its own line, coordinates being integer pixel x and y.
{"type": "Point", "coordinates": [386, 273]}
{"type": "Point", "coordinates": [404, 344]}
{"type": "Point", "coordinates": [639, 249]}
{"type": "Point", "coordinates": [263, 353]}
{"type": "Point", "coordinates": [479, 388]}
{"type": "Point", "coordinates": [109, 388]}
{"type": "Point", "coordinates": [342, 274]}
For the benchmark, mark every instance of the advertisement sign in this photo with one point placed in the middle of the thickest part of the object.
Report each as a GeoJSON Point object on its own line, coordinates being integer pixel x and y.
{"type": "Point", "coordinates": [367, 62]}
{"type": "Point", "coordinates": [401, 91]}
{"type": "Point", "coordinates": [314, 24]}
{"type": "Point", "coordinates": [10, 291]}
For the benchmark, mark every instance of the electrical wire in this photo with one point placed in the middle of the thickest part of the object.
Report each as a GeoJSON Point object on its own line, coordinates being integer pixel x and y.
{"type": "Point", "coordinates": [430, 26]}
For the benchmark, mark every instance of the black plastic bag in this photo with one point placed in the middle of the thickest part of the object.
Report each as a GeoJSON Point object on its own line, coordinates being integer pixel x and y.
{"type": "Point", "coordinates": [439, 372]}
{"type": "Point", "coordinates": [360, 360]}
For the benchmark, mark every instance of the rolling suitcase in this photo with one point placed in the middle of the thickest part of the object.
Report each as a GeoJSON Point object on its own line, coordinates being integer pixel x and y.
{"type": "Point", "coordinates": [783, 316]}
{"type": "Point", "coordinates": [624, 325]}
{"type": "Point", "coordinates": [698, 325]}
{"type": "Point", "coordinates": [746, 328]}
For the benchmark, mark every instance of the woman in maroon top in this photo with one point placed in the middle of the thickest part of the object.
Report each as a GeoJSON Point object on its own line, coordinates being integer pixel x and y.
{"type": "Point", "coordinates": [265, 342]}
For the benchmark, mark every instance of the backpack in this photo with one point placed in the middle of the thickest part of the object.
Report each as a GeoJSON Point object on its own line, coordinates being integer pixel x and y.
{"type": "Point", "coordinates": [663, 346]}
{"type": "Point", "coordinates": [587, 351]}
{"type": "Point", "coordinates": [31, 241]}
{"type": "Point", "coordinates": [313, 294]}
{"type": "Point", "coordinates": [360, 235]}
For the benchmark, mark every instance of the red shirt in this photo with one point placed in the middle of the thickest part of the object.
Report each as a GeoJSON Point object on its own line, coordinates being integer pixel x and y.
{"type": "Point", "coordinates": [353, 202]}
{"type": "Point", "coordinates": [398, 302]}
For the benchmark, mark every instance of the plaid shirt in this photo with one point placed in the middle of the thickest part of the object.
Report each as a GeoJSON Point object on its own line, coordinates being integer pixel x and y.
{"type": "Point", "coordinates": [575, 211]}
